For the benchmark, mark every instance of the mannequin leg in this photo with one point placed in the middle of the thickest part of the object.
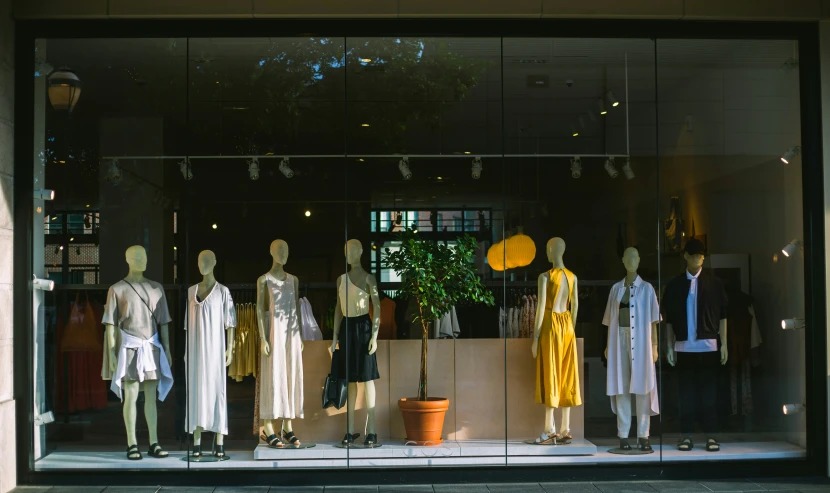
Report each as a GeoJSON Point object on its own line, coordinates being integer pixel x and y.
{"type": "Point", "coordinates": [550, 421]}
{"type": "Point", "coordinates": [269, 427]}
{"type": "Point", "coordinates": [197, 436]}
{"type": "Point", "coordinates": [286, 426]}
{"type": "Point", "coordinates": [624, 414]}
{"type": "Point", "coordinates": [130, 413]}
{"type": "Point", "coordinates": [643, 415]}
{"type": "Point", "coordinates": [220, 439]}
{"type": "Point", "coordinates": [565, 428]}
{"type": "Point", "coordinates": [369, 389]}
{"type": "Point", "coordinates": [150, 411]}
{"type": "Point", "coordinates": [350, 407]}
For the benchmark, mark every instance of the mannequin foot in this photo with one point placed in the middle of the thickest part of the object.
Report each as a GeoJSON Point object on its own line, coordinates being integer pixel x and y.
{"type": "Point", "coordinates": [197, 452]}
{"type": "Point", "coordinates": [712, 445]}
{"type": "Point", "coordinates": [274, 441]}
{"type": "Point", "coordinates": [219, 451]}
{"type": "Point", "coordinates": [350, 438]}
{"type": "Point", "coordinates": [565, 438]}
{"type": "Point", "coordinates": [685, 444]}
{"type": "Point", "coordinates": [545, 439]}
{"type": "Point", "coordinates": [133, 453]}
{"type": "Point", "coordinates": [624, 445]}
{"type": "Point", "coordinates": [644, 445]}
{"type": "Point", "coordinates": [371, 439]}
{"type": "Point", "coordinates": [291, 438]}
{"type": "Point", "coordinates": [157, 452]}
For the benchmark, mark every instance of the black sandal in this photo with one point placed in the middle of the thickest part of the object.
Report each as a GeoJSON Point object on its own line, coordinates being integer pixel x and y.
{"type": "Point", "coordinates": [712, 445]}
{"type": "Point", "coordinates": [624, 445]}
{"type": "Point", "coordinates": [219, 451]}
{"type": "Point", "coordinates": [157, 452]}
{"type": "Point", "coordinates": [197, 452]}
{"type": "Point", "coordinates": [291, 438]}
{"type": "Point", "coordinates": [685, 445]}
{"type": "Point", "coordinates": [644, 444]}
{"type": "Point", "coordinates": [274, 441]}
{"type": "Point", "coordinates": [133, 453]}
{"type": "Point", "coordinates": [350, 438]}
{"type": "Point", "coordinates": [371, 440]}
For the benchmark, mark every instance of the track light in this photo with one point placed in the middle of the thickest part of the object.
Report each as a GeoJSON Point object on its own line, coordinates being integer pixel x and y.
{"type": "Point", "coordinates": [612, 98]}
{"type": "Point", "coordinates": [790, 154]}
{"type": "Point", "coordinates": [476, 170]}
{"type": "Point", "coordinates": [793, 324]}
{"type": "Point", "coordinates": [44, 194]}
{"type": "Point", "coordinates": [114, 172]}
{"type": "Point", "coordinates": [793, 408]}
{"type": "Point", "coordinates": [791, 247]}
{"type": "Point", "coordinates": [403, 165]}
{"type": "Point", "coordinates": [43, 284]}
{"type": "Point", "coordinates": [611, 168]}
{"type": "Point", "coordinates": [601, 107]}
{"type": "Point", "coordinates": [574, 131]}
{"type": "Point", "coordinates": [184, 167]}
{"type": "Point", "coordinates": [253, 168]}
{"type": "Point", "coordinates": [576, 167]}
{"type": "Point", "coordinates": [627, 171]}
{"type": "Point", "coordinates": [285, 168]}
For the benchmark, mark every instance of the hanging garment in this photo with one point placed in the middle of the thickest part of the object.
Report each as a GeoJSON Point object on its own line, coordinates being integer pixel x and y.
{"type": "Point", "coordinates": [78, 385]}
{"type": "Point", "coordinates": [631, 359]}
{"type": "Point", "coordinates": [502, 323]}
{"type": "Point", "coordinates": [351, 360]}
{"type": "Point", "coordinates": [246, 343]}
{"type": "Point", "coordinates": [557, 376]}
{"type": "Point", "coordinates": [311, 331]}
{"type": "Point", "coordinates": [388, 328]}
{"type": "Point", "coordinates": [206, 322]}
{"type": "Point", "coordinates": [82, 332]}
{"type": "Point", "coordinates": [515, 332]}
{"type": "Point", "coordinates": [281, 389]}
{"type": "Point", "coordinates": [447, 326]}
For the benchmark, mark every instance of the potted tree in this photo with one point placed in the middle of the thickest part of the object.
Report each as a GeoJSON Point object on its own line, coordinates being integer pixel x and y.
{"type": "Point", "coordinates": [437, 277]}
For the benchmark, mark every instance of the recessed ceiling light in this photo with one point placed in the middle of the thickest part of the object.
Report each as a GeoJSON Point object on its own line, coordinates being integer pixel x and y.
{"type": "Point", "coordinates": [62, 161]}
{"type": "Point", "coordinates": [87, 206]}
{"type": "Point", "coordinates": [307, 213]}
{"type": "Point", "coordinates": [366, 60]}
{"type": "Point", "coordinates": [365, 125]}
{"type": "Point", "coordinates": [439, 178]}
{"type": "Point", "coordinates": [466, 152]}
{"type": "Point", "coordinates": [215, 226]}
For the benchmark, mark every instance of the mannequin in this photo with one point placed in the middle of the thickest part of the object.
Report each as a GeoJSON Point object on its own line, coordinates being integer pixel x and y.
{"type": "Point", "coordinates": [138, 307]}
{"type": "Point", "coordinates": [281, 368]}
{"type": "Point", "coordinates": [558, 303]}
{"type": "Point", "coordinates": [357, 335]}
{"type": "Point", "coordinates": [695, 309]}
{"type": "Point", "coordinates": [632, 315]}
{"type": "Point", "coordinates": [210, 311]}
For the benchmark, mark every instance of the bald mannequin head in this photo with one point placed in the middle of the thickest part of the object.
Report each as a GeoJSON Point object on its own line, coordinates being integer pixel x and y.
{"type": "Point", "coordinates": [207, 261]}
{"type": "Point", "coordinates": [631, 259]}
{"type": "Point", "coordinates": [136, 258]}
{"type": "Point", "coordinates": [354, 250]}
{"type": "Point", "coordinates": [555, 248]}
{"type": "Point", "coordinates": [279, 252]}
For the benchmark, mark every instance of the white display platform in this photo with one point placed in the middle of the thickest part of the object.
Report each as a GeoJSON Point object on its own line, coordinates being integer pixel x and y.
{"type": "Point", "coordinates": [456, 453]}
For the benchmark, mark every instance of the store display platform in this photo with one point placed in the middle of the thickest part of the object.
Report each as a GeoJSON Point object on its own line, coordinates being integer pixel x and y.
{"type": "Point", "coordinates": [395, 454]}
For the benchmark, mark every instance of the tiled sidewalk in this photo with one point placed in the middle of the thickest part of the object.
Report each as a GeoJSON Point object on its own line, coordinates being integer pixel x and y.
{"type": "Point", "coordinates": [809, 485]}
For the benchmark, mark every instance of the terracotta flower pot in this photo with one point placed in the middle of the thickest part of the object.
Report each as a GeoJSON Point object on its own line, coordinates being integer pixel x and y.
{"type": "Point", "coordinates": [424, 420]}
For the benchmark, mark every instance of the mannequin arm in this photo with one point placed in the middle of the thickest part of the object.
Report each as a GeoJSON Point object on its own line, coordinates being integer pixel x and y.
{"type": "Point", "coordinates": [299, 310]}
{"type": "Point", "coordinates": [261, 298]}
{"type": "Point", "coordinates": [231, 333]}
{"type": "Point", "coordinates": [111, 347]}
{"type": "Point", "coordinates": [575, 306]}
{"type": "Point", "coordinates": [654, 352]}
{"type": "Point", "coordinates": [165, 342]}
{"type": "Point", "coordinates": [724, 350]}
{"type": "Point", "coordinates": [541, 295]}
{"type": "Point", "coordinates": [373, 291]}
{"type": "Point", "coordinates": [670, 340]}
{"type": "Point", "coordinates": [338, 318]}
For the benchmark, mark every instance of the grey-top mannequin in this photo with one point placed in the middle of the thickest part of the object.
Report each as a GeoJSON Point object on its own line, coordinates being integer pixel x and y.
{"type": "Point", "coordinates": [363, 280]}
{"type": "Point", "coordinates": [279, 256]}
{"type": "Point", "coordinates": [694, 263]}
{"type": "Point", "coordinates": [136, 258]}
{"type": "Point", "coordinates": [207, 261]}
{"type": "Point", "coordinates": [555, 252]}
{"type": "Point", "coordinates": [631, 261]}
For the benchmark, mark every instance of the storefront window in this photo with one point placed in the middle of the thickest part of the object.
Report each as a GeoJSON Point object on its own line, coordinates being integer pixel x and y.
{"type": "Point", "coordinates": [593, 193]}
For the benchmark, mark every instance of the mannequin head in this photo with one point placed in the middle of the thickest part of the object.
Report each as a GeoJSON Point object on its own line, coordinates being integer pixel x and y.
{"type": "Point", "coordinates": [136, 258]}
{"type": "Point", "coordinates": [354, 250]}
{"type": "Point", "coordinates": [631, 260]}
{"type": "Point", "coordinates": [207, 261]}
{"type": "Point", "coordinates": [694, 254]}
{"type": "Point", "coordinates": [279, 252]}
{"type": "Point", "coordinates": [555, 248]}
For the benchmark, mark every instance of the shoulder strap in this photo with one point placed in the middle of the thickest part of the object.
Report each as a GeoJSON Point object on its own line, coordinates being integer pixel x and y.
{"type": "Point", "coordinates": [152, 314]}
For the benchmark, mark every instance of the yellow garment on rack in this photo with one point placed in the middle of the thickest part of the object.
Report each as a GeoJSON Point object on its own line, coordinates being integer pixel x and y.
{"type": "Point", "coordinates": [246, 343]}
{"type": "Point", "coordinates": [557, 377]}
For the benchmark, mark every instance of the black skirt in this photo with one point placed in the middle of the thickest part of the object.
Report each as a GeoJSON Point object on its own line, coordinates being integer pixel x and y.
{"type": "Point", "coordinates": [352, 361]}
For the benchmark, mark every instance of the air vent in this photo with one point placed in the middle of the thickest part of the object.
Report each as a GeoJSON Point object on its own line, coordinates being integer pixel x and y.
{"type": "Point", "coordinates": [538, 81]}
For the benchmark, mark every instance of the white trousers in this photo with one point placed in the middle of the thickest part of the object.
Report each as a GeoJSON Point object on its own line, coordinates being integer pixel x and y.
{"type": "Point", "coordinates": [624, 400]}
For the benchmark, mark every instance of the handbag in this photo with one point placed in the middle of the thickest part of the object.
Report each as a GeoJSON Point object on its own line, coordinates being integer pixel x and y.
{"type": "Point", "coordinates": [81, 333]}
{"type": "Point", "coordinates": [335, 392]}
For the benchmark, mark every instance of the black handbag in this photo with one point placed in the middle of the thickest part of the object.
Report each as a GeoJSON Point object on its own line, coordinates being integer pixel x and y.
{"type": "Point", "coordinates": [335, 392]}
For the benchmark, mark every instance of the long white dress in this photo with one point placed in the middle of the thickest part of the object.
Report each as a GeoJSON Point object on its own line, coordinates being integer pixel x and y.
{"type": "Point", "coordinates": [206, 322]}
{"type": "Point", "coordinates": [281, 388]}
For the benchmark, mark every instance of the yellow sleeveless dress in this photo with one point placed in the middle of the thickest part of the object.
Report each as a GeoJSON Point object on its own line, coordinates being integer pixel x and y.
{"type": "Point", "coordinates": [557, 376]}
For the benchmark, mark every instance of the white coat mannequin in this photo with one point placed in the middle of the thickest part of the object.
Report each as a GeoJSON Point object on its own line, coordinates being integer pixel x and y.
{"type": "Point", "coordinates": [136, 258]}
{"type": "Point", "coordinates": [631, 261]}
{"type": "Point", "coordinates": [279, 255]}
{"type": "Point", "coordinates": [359, 277]}
{"type": "Point", "coordinates": [555, 251]}
{"type": "Point", "coordinates": [207, 261]}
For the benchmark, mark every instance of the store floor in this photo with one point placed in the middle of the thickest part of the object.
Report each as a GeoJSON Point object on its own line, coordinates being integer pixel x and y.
{"type": "Point", "coordinates": [810, 485]}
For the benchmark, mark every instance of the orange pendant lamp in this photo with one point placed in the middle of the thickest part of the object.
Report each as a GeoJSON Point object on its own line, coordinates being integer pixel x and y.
{"type": "Point", "coordinates": [520, 250]}
{"type": "Point", "coordinates": [495, 256]}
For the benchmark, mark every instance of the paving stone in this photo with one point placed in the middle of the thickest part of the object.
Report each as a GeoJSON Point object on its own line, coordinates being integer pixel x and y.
{"type": "Point", "coordinates": [132, 489]}
{"type": "Point", "coordinates": [678, 486]}
{"type": "Point", "coordinates": [31, 489]}
{"type": "Point", "coordinates": [460, 488]}
{"type": "Point", "coordinates": [624, 487]}
{"type": "Point", "coordinates": [77, 489]}
{"type": "Point", "coordinates": [515, 488]}
{"type": "Point", "coordinates": [405, 488]}
{"type": "Point", "coordinates": [568, 487]}
{"type": "Point", "coordinates": [731, 485]}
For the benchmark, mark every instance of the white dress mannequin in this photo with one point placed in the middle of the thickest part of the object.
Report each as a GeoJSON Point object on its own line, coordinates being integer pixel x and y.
{"type": "Point", "coordinates": [138, 307]}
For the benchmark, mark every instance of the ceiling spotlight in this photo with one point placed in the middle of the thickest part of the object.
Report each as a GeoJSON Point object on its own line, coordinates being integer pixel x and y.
{"type": "Point", "coordinates": [253, 168]}
{"type": "Point", "coordinates": [365, 125]}
{"type": "Point", "coordinates": [576, 167]}
{"type": "Point", "coordinates": [308, 213]}
{"type": "Point", "coordinates": [793, 408]}
{"type": "Point", "coordinates": [611, 168]}
{"type": "Point", "coordinates": [601, 107]}
{"type": "Point", "coordinates": [43, 284]}
{"type": "Point", "coordinates": [574, 131]}
{"type": "Point", "coordinates": [612, 98]}
{"type": "Point", "coordinates": [285, 169]}
{"type": "Point", "coordinates": [114, 172]}
{"type": "Point", "coordinates": [44, 194]}
{"type": "Point", "coordinates": [790, 154]}
{"type": "Point", "coordinates": [214, 226]}
{"type": "Point", "coordinates": [627, 171]}
{"type": "Point", "coordinates": [792, 247]}
{"type": "Point", "coordinates": [403, 165]}
{"type": "Point", "coordinates": [476, 168]}
{"type": "Point", "coordinates": [184, 167]}
{"type": "Point", "coordinates": [793, 324]}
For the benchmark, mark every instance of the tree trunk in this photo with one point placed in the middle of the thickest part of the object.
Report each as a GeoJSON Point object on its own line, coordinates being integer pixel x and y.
{"type": "Point", "coordinates": [422, 381]}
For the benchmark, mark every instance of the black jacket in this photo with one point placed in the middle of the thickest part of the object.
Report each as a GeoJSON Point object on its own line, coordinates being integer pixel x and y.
{"type": "Point", "coordinates": [712, 305]}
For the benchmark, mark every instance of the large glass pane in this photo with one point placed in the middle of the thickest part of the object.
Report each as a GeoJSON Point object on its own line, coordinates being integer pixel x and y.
{"type": "Point", "coordinates": [731, 191]}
